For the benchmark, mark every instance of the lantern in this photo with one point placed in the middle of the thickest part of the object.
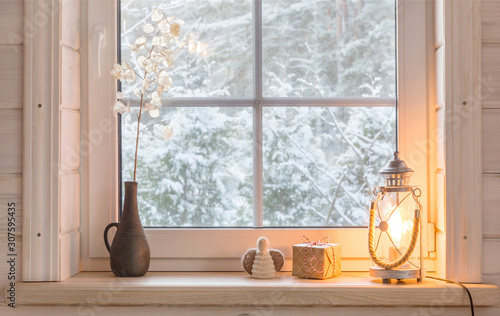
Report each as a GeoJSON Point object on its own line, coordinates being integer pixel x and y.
{"type": "Point", "coordinates": [395, 245]}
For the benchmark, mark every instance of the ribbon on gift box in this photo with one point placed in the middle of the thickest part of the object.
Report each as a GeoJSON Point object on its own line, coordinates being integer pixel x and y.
{"type": "Point", "coordinates": [309, 246]}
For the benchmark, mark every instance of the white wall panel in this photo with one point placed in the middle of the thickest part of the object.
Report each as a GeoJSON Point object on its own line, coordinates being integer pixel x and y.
{"type": "Point", "coordinates": [491, 255]}
{"type": "Point", "coordinates": [490, 21]}
{"type": "Point", "coordinates": [490, 78]}
{"type": "Point", "coordinates": [491, 140]}
{"type": "Point", "coordinates": [11, 141]}
{"type": "Point", "coordinates": [11, 22]}
{"type": "Point", "coordinates": [491, 205]}
{"type": "Point", "coordinates": [11, 75]}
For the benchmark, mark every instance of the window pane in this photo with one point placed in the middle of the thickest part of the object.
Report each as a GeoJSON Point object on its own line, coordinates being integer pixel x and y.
{"type": "Point", "coordinates": [321, 164]}
{"type": "Point", "coordinates": [334, 48]}
{"type": "Point", "coordinates": [202, 176]}
{"type": "Point", "coordinates": [214, 55]}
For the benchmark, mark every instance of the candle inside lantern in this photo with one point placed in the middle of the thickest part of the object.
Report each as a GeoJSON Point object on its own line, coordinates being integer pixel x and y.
{"type": "Point", "coordinates": [394, 255]}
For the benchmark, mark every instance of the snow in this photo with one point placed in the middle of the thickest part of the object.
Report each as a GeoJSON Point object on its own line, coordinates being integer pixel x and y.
{"type": "Point", "coordinates": [319, 162]}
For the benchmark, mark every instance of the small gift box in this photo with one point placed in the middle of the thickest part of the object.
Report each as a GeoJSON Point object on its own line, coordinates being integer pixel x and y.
{"type": "Point", "coordinates": [316, 260]}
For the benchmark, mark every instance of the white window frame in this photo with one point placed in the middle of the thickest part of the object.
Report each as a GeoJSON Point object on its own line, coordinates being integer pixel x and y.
{"type": "Point", "coordinates": [221, 249]}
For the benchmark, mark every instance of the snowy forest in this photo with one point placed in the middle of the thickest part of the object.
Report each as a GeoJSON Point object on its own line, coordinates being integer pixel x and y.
{"type": "Point", "coordinates": [320, 164]}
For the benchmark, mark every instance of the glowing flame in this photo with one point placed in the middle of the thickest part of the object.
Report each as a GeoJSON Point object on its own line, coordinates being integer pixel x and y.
{"type": "Point", "coordinates": [398, 228]}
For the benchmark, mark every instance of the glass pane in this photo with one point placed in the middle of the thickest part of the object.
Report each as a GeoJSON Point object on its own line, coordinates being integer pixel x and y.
{"type": "Point", "coordinates": [321, 164]}
{"type": "Point", "coordinates": [202, 176]}
{"type": "Point", "coordinates": [329, 48]}
{"type": "Point", "coordinates": [213, 55]}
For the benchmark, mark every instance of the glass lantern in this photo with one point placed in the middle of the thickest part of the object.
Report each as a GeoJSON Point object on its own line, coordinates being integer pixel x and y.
{"type": "Point", "coordinates": [395, 244]}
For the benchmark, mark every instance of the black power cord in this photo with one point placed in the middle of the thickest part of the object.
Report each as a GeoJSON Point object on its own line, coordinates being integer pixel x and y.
{"type": "Point", "coordinates": [458, 283]}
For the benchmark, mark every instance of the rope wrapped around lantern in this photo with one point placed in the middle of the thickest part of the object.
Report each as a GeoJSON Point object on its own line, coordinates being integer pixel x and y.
{"type": "Point", "coordinates": [397, 208]}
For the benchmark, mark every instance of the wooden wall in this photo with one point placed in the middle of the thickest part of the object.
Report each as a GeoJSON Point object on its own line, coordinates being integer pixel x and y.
{"type": "Point", "coordinates": [491, 139]}
{"type": "Point", "coordinates": [11, 135]}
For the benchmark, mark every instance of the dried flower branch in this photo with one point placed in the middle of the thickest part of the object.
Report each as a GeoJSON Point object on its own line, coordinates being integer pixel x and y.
{"type": "Point", "coordinates": [154, 58]}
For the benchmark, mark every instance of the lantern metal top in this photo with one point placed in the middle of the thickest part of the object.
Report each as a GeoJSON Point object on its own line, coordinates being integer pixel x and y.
{"type": "Point", "coordinates": [396, 172]}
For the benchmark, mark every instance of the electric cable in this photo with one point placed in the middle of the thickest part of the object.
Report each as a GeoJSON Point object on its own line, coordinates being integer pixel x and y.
{"type": "Point", "coordinates": [463, 286]}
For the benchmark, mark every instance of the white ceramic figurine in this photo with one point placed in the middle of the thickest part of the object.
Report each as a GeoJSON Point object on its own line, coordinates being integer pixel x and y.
{"type": "Point", "coordinates": [263, 265]}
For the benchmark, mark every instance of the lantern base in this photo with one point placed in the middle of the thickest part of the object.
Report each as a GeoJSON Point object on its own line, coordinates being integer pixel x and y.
{"type": "Point", "coordinates": [399, 274]}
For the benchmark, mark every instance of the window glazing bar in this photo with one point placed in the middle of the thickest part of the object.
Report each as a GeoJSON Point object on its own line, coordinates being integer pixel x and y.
{"type": "Point", "coordinates": [276, 102]}
{"type": "Point", "coordinates": [257, 116]}
{"type": "Point", "coordinates": [324, 102]}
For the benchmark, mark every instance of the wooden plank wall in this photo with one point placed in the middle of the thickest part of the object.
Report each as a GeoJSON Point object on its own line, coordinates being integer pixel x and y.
{"type": "Point", "coordinates": [11, 73]}
{"type": "Point", "coordinates": [491, 139]}
{"type": "Point", "coordinates": [11, 136]}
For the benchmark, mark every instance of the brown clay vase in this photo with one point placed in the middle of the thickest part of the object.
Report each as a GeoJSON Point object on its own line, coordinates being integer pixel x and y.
{"type": "Point", "coordinates": [129, 252]}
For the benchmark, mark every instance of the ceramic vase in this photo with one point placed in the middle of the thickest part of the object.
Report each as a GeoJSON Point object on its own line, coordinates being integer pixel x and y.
{"type": "Point", "coordinates": [129, 252]}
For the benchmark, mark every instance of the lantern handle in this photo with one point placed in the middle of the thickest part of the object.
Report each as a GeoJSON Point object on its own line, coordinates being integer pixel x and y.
{"type": "Point", "coordinates": [416, 194]}
{"type": "Point", "coordinates": [409, 250]}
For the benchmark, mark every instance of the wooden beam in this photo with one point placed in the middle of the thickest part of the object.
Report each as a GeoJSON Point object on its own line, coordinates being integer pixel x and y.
{"type": "Point", "coordinates": [463, 140]}
{"type": "Point", "coordinates": [41, 150]}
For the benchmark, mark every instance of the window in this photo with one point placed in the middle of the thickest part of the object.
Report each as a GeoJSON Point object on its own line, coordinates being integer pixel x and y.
{"type": "Point", "coordinates": [298, 131]}
{"type": "Point", "coordinates": [279, 144]}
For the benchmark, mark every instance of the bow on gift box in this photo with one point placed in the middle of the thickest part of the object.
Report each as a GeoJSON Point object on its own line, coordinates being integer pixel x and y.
{"type": "Point", "coordinates": [318, 242]}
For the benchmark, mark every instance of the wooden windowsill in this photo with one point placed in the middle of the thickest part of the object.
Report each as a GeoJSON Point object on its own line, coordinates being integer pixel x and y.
{"type": "Point", "coordinates": [238, 289]}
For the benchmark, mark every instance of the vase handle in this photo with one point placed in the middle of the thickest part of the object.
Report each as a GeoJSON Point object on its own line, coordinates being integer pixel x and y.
{"type": "Point", "coordinates": [106, 235]}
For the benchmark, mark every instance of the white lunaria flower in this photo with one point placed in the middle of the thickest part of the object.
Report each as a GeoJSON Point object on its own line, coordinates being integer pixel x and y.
{"type": "Point", "coordinates": [160, 90]}
{"type": "Point", "coordinates": [134, 48]}
{"type": "Point", "coordinates": [118, 72]}
{"type": "Point", "coordinates": [154, 58]}
{"type": "Point", "coordinates": [165, 39]}
{"type": "Point", "coordinates": [145, 85]}
{"type": "Point", "coordinates": [164, 26]}
{"type": "Point", "coordinates": [121, 108]}
{"type": "Point", "coordinates": [155, 112]}
{"type": "Point", "coordinates": [130, 76]}
{"type": "Point", "coordinates": [169, 58]}
{"type": "Point", "coordinates": [148, 65]}
{"type": "Point", "coordinates": [157, 58]}
{"type": "Point", "coordinates": [161, 41]}
{"type": "Point", "coordinates": [167, 131]}
{"type": "Point", "coordinates": [175, 29]}
{"type": "Point", "coordinates": [129, 73]}
{"type": "Point", "coordinates": [157, 15]}
{"type": "Point", "coordinates": [156, 41]}
{"type": "Point", "coordinates": [148, 106]}
{"type": "Point", "coordinates": [141, 43]}
{"type": "Point", "coordinates": [164, 79]}
{"type": "Point", "coordinates": [148, 28]}
{"type": "Point", "coordinates": [156, 99]}
{"type": "Point", "coordinates": [140, 61]}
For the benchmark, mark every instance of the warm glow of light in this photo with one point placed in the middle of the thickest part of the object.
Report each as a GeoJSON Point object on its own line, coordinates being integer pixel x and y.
{"type": "Point", "coordinates": [397, 227]}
